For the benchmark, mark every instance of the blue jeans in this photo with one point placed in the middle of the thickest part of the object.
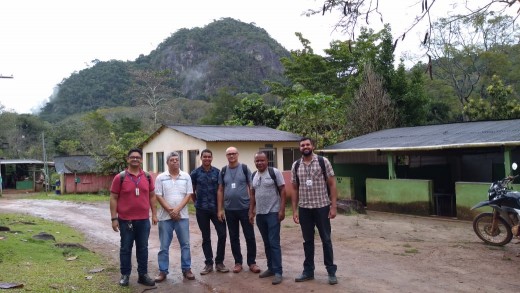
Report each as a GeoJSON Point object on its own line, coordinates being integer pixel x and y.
{"type": "Point", "coordinates": [269, 227]}
{"type": "Point", "coordinates": [319, 218]}
{"type": "Point", "coordinates": [234, 218]}
{"type": "Point", "coordinates": [130, 231]}
{"type": "Point", "coordinates": [203, 219]}
{"type": "Point", "coordinates": [182, 230]}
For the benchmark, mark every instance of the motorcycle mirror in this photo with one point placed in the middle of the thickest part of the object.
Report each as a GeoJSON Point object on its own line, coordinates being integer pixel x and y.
{"type": "Point", "coordinates": [514, 166]}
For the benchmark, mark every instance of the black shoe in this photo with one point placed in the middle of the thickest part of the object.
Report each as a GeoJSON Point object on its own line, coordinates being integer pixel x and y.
{"type": "Point", "coordinates": [124, 280]}
{"type": "Point", "coordinates": [146, 280]}
{"type": "Point", "coordinates": [304, 277]}
{"type": "Point", "coordinates": [277, 279]}
{"type": "Point", "coordinates": [333, 280]}
{"type": "Point", "coordinates": [266, 273]}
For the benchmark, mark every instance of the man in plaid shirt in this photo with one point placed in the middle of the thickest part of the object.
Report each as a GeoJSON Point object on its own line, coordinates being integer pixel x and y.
{"type": "Point", "coordinates": [315, 207]}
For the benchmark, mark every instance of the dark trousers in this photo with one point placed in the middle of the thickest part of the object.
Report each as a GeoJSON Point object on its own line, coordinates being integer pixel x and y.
{"type": "Point", "coordinates": [269, 227]}
{"type": "Point", "coordinates": [319, 218]}
{"type": "Point", "coordinates": [235, 219]}
{"type": "Point", "coordinates": [204, 217]}
{"type": "Point", "coordinates": [137, 231]}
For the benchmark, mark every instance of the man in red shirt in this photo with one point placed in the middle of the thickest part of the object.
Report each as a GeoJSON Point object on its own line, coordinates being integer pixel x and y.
{"type": "Point", "coordinates": [131, 198]}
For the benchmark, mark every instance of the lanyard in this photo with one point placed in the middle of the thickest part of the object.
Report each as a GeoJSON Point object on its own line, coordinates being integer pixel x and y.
{"type": "Point", "coordinates": [136, 183]}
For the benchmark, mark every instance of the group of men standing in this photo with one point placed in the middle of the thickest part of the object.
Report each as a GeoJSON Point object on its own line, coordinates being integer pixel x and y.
{"type": "Point", "coordinates": [232, 197]}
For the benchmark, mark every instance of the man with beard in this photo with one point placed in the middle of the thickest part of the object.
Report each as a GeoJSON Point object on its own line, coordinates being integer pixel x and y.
{"type": "Point", "coordinates": [313, 179]}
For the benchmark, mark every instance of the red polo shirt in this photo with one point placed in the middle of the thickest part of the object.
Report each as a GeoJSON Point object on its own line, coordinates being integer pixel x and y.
{"type": "Point", "coordinates": [129, 205]}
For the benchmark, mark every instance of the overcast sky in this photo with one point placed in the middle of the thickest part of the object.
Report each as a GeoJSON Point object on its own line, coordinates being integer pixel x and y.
{"type": "Point", "coordinates": [43, 42]}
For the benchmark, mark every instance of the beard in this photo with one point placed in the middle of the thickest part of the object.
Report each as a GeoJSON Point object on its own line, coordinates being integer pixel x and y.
{"type": "Point", "coordinates": [306, 153]}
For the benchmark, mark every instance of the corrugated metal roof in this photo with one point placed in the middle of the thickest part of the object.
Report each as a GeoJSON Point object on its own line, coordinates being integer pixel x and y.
{"type": "Point", "coordinates": [22, 161]}
{"type": "Point", "coordinates": [235, 133]}
{"type": "Point", "coordinates": [443, 136]}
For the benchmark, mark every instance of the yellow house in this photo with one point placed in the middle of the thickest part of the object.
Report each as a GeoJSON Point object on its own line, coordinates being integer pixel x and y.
{"type": "Point", "coordinates": [280, 146]}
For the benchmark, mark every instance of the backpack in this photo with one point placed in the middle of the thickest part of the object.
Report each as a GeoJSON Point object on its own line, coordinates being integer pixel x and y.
{"type": "Point", "coordinates": [244, 169]}
{"type": "Point", "coordinates": [273, 176]}
{"type": "Point", "coordinates": [321, 161]}
{"type": "Point", "coordinates": [122, 175]}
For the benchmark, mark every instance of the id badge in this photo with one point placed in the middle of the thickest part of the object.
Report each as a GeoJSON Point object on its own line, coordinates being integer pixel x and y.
{"type": "Point", "coordinates": [136, 191]}
{"type": "Point", "coordinates": [233, 185]}
{"type": "Point", "coordinates": [308, 182]}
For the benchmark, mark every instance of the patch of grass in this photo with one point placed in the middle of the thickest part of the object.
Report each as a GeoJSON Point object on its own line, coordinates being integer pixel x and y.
{"type": "Point", "coordinates": [411, 250]}
{"type": "Point", "coordinates": [43, 267]}
{"type": "Point", "coordinates": [407, 245]}
{"type": "Point", "coordinates": [73, 197]}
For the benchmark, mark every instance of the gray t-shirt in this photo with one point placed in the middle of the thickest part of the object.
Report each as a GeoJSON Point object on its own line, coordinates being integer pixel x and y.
{"type": "Point", "coordinates": [236, 196]}
{"type": "Point", "coordinates": [266, 197]}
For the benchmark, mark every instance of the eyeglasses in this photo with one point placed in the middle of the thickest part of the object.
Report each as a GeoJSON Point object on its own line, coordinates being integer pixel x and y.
{"type": "Point", "coordinates": [134, 158]}
{"type": "Point", "coordinates": [231, 154]}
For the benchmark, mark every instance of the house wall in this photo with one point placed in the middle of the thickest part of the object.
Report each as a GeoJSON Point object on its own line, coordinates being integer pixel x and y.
{"type": "Point", "coordinates": [88, 183]}
{"type": "Point", "coordinates": [170, 140]}
{"type": "Point", "coordinates": [400, 195]}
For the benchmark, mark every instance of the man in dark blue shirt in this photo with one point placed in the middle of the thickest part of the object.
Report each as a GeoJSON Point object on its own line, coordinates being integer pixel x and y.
{"type": "Point", "coordinates": [205, 186]}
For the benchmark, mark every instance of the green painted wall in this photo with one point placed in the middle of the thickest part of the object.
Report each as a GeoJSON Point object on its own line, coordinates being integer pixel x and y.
{"type": "Point", "coordinates": [469, 194]}
{"type": "Point", "coordinates": [26, 184]}
{"type": "Point", "coordinates": [400, 195]}
{"type": "Point", "coordinates": [345, 186]}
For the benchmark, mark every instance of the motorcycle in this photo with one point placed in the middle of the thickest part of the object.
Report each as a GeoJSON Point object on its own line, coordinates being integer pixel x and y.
{"type": "Point", "coordinates": [499, 226]}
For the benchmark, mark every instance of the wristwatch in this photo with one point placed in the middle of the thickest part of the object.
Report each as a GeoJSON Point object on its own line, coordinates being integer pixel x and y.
{"type": "Point", "coordinates": [113, 219]}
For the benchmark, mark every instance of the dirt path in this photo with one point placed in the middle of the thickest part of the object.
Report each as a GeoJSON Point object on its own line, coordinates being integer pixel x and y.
{"type": "Point", "coordinates": [377, 252]}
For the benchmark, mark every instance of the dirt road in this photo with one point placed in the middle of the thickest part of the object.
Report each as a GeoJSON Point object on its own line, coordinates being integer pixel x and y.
{"type": "Point", "coordinates": [377, 252]}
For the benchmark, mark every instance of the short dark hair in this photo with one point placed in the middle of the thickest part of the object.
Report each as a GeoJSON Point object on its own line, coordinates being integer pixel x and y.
{"type": "Point", "coordinates": [172, 154]}
{"type": "Point", "coordinates": [307, 138]}
{"type": "Point", "coordinates": [206, 151]}
{"type": "Point", "coordinates": [135, 150]}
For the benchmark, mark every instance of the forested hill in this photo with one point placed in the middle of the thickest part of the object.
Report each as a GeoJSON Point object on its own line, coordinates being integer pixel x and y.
{"type": "Point", "coordinates": [224, 54]}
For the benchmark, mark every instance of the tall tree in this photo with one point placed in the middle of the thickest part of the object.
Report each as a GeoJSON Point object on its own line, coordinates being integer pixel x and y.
{"type": "Point", "coordinates": [371, 109]}
{"type": "Point", "coordinates": [151, 88]}
{"type": "Point", "coordinates": [468, 51]}
{"type": "Point", "coordinates": [318, 116]}
{"type": "Point", "coordinates": [252, 110]}
{"type": "Point", "coordinates": [500, 104]}
{"type": "Point", "coordinates": [222, 107]}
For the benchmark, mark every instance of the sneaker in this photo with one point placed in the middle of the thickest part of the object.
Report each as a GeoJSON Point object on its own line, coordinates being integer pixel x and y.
{"type": "Point", "coordinates": [146, 280]}
{"type": "Point", "coordinates": [220, 267]}
{"type": "Point", "coordinates": [304, 277]}
{"type": "Point", "coordinates": [207, 269]}
{"type": "Point", "coordinates": [277, 279]}
{"type": "Point", "coordinates": [266, 273]}
{"type": "Point", "coordinates": [188, 274]}
{"type": "Point", "coordinates": [333, 280]}
{"type": "Point", "coordinates": [124, 280]}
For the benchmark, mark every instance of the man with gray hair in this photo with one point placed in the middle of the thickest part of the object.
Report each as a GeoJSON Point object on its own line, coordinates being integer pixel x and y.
{"type": "Point", "coordinates": [174, 190]}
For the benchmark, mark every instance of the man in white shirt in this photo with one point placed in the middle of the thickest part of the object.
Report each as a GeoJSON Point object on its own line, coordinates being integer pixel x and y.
{"type": "Point", "coordinates": [174, 190]}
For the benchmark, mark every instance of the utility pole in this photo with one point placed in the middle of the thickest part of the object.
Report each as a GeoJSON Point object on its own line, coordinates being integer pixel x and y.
{"type": "Point", "coordinates": [45, 166]}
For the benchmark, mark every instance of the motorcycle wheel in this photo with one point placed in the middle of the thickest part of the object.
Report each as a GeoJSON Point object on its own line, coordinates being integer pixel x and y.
{"type": "Point", "coordinates": [482, 227]}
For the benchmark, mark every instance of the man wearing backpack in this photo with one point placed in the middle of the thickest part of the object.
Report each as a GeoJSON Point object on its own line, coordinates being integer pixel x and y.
{"type": "Point", "coordinates": [131, 198]}
{"type": "Point", "coordinates": [233, 198]}
{"type": "Point", "coordinates": [315, 195]}
{"type": "Point", "coordinates": [268, 200]}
